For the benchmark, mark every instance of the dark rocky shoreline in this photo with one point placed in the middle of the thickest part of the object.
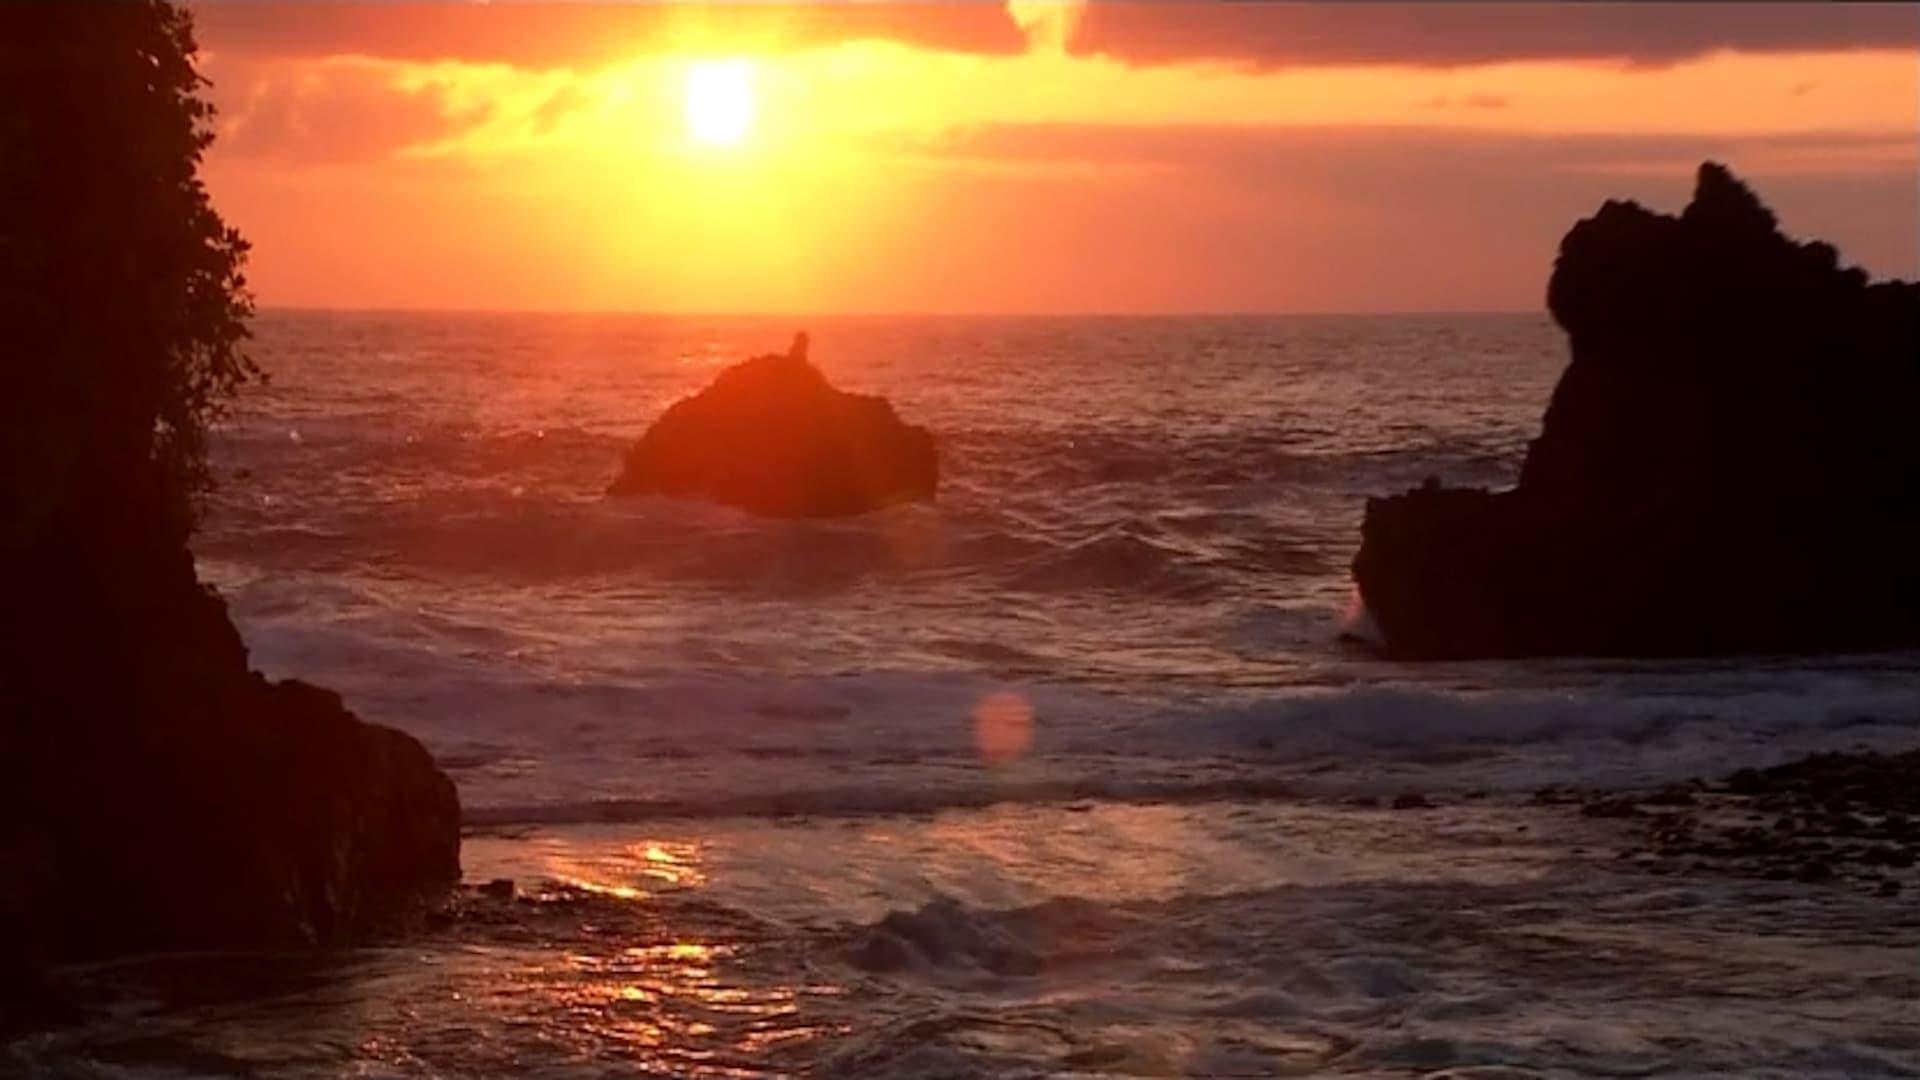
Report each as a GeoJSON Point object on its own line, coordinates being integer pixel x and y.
{"type": "Point", "coordinates": [157, 793]}
{"type": "Point", "coordinates": [1847, 818]}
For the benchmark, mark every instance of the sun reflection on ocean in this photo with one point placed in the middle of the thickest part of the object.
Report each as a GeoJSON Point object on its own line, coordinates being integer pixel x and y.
{"type": "Point", "coordinates": [673, 1007]}
{"type": "Point", "coordinates": [673, 863]}
{"type": "Point", "coordinates": [617, 892]}
{"type": "Point", "coordinates": [616, 953]}
{"type": "Point", "coordinates": [630, 872]}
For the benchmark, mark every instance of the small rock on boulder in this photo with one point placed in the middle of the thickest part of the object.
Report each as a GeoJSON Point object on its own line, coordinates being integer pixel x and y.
{"type": "Point", "coordinates": [773, 437]}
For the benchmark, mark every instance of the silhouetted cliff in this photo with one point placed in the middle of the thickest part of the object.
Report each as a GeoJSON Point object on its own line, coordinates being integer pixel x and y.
{"type": "Point", "coordinates": [155, 793]}
{"type": "Point", "coordinates": [1730, 463]}
{"type": "Point", "coordinates": [773, 437]}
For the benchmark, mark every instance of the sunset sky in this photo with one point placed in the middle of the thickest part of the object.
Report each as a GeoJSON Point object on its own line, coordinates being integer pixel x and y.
{"type": "Point", "coordinates": [1031, 157]}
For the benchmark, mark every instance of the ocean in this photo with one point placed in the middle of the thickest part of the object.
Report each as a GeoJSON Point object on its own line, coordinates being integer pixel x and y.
{"type": "Point", "coordinates": [1075, 771]}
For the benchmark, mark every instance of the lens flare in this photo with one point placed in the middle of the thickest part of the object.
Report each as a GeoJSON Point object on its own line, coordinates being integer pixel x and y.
{"type": "Point", "coordinates": [1003, 727]}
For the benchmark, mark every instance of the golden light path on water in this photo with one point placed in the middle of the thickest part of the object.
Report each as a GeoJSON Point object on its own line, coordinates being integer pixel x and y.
{"type": "Point", "coordinates": [650, 956]}
{"type": "Point", "coordinates": [1089, 938]}
{"type": "Point", "coordinates": [620, 963]}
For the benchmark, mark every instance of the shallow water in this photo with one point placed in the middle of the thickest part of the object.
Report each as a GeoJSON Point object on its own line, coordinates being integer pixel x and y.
{"type": "Point", "coordinates": [1480, 939]}
{"type": "Point", "coordinates": [1053, 776]}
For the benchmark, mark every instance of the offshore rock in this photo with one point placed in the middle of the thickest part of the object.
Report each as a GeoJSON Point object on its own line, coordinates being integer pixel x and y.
{"type": "Point", "coordinates": [1729, 464]}
{"type": "Point", "coordinates": [771, 436]}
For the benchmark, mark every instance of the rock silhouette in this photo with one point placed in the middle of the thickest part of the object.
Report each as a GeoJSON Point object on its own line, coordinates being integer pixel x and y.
{"type": "Point", "coordinates": [771, 436]}
{"type": "Point", "coordinates": [155, 792]}
{"type": "Point", "coordinates": [159, 796]}
{"type": "Point", "coordinates": [1729, 464]}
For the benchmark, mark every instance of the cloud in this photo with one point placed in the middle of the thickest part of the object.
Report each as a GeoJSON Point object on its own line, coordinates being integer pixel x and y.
{"type": "Point", "coordinates": [331, 111]}
{"type": "Point", "coordinates": [559, 33]}
{"type": "Point", "coordinates": [1470, 101]}
{"type": "Point", "coordinates": [565, 34]}
{"type": "Point", "coordinates": [1314, 218]}
{"type": "Point", "coordinates": [1389, 158]}
{"type": "Point", "coordinates": [1095, 217]}
{"type": "Point", "coordinates": [1470, 173]}
{"type": "Point", "coordinates": [1453, 35]}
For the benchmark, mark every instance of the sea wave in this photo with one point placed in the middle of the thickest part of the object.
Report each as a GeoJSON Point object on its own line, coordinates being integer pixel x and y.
{"type": "Point", "coordinates": [1144, 529]}
{"type": "Point", "coordinates": [869, 800]}
{"type": "Point", "coordinates": [504, 534]}
{"type": "Point", "coordinates": [945, 934]}
{"type": "Point", "coordinates": [869, 755]}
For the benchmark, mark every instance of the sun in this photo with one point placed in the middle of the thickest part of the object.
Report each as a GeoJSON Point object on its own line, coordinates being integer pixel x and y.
{"type": "Point", "coordinates": [720, 101]}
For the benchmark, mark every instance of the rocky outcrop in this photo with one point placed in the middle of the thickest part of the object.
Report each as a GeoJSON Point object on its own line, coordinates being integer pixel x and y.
{"type": "Point", "coordinates": [773, 437]}
{"type": "Point", "coordinates": [1729, 464]}
{"type": "Point", "coordinates": [1844, 819]}
{"type": "Point", "coordinates": [157, 795]}
{"type": "Point", "coordinates": [155, 792]}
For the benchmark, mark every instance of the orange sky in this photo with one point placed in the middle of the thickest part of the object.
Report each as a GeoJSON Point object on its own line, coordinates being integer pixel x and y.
{"type": "Point", "coordinates": [1038, 157]}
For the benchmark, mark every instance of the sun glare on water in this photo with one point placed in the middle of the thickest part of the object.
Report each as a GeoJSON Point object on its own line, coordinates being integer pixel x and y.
{"type": "Point", "coordinates": [720, 101]}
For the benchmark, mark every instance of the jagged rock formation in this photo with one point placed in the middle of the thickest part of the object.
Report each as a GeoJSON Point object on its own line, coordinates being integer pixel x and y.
{"type": "Point", "coordinates": [1730, 463]}
{"type": "Point", "coordinates": [771, 436]}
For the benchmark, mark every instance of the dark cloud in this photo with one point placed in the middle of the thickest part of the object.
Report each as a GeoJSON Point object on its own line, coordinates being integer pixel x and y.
{"type": "Point", "coordinates": [1449, 35]}
{"type": "Point", "coordinates": [549, 33]}
{"type": "Point", "coordinates": [556, 34]}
